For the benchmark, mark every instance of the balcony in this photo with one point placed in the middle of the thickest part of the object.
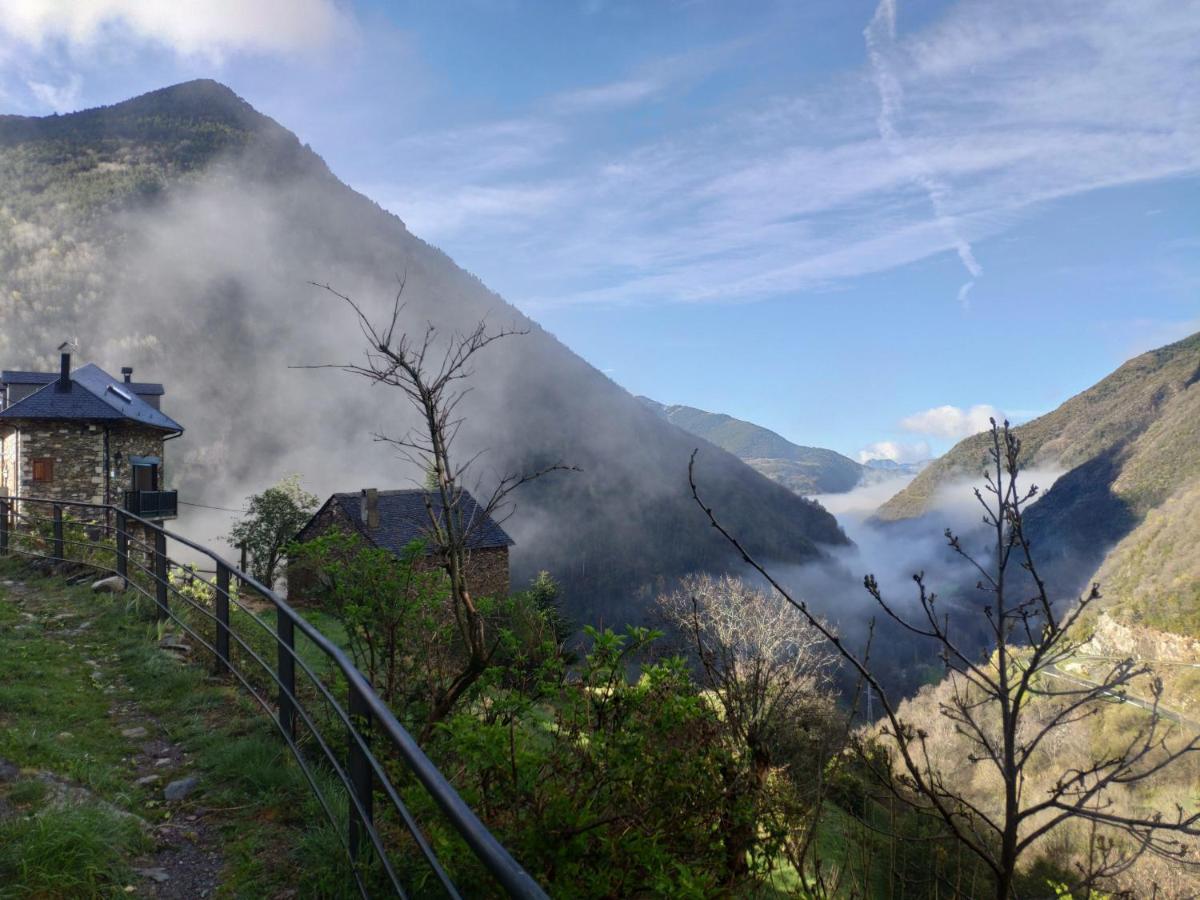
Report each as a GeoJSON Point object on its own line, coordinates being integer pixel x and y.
{"type": "Point", "coordinates": [153, 504]}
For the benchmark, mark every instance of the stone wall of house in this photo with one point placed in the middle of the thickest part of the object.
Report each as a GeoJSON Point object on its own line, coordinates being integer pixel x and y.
{"type": "Point", "coordinates": [78, 454]}
{"type": "Point", "coordinates": [301, 583]}
{"type": "Point", "coordinates": [8, 462]}
{"type": "Point", "coordinates": [77, 451]}
{"type": "Point", "coordinates": [487, 572]}
{"type": "Point", "coordinates": [125, 441]}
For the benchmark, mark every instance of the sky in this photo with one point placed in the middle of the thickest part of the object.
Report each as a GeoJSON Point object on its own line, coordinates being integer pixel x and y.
{"type": "Point", "coordinates": [866, 224]}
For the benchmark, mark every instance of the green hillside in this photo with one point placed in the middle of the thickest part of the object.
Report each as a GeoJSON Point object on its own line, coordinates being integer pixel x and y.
{"type": "Point", "coordinates": [1152, 577]}
{"type": "Point", "coordinates": [805, 470]}
{"type": "Point", "coordinates": [1143, 418]}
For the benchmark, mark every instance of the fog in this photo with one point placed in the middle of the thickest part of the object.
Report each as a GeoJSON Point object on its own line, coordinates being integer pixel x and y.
{"type": "Point", "coordinates": [893, 552]}
{"type": "Point", "coordinates": [205, 286]}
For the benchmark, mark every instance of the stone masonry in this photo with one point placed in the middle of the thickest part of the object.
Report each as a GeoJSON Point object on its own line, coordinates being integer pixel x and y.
{"type": "Point", "coordinates": [78, 455]}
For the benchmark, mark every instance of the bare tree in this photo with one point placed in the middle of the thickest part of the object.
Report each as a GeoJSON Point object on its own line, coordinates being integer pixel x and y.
{"type": "Point", "coordinates": [1007, 707]}
{"type": "Point", "coordinates": [770, 673]}
{"type": "Point", "coordinates": [430, 371]}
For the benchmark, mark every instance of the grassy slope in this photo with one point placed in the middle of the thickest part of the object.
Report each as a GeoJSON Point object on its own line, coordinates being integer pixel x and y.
{"type": "Point", "coordinates": [1144, 413]}
{"type": "Point", "coordinates": [58, 687]}
{"type": "Point", "coordinates": [1152, 577]}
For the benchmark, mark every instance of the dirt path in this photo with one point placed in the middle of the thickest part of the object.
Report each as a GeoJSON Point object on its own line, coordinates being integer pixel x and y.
{"type": "Point", "coordinates": [186, 860]}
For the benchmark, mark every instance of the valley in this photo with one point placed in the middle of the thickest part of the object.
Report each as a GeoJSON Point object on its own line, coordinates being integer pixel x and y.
{"type": "Point", "coordinates": [718, 662]}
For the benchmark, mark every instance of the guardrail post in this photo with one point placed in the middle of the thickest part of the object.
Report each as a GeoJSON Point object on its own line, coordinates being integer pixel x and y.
{"type": "Point", "coordinates": [3, 528]}
{"type": "Point", "coordinates": [122, 545]}
{"type": "Point", "coordinates": [360, 771]}
{"type": "Point", "coordinates": [160, 573]}
{"type": "Point", "coordinates": [59, 552]}
{"type": "Point", "coordinates": [286, 635]}
{"type": "Point", "coordinates": [222, 618]}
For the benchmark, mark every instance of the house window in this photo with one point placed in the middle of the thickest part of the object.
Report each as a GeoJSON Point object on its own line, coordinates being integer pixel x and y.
{"type": "Point", "coordinates": [43, 469]}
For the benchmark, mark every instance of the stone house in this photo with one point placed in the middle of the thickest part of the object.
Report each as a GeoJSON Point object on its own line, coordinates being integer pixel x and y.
{"type": "Point", "coordinates": [82, 435]}
{"type": "Point", "coordinates": [391, 520]}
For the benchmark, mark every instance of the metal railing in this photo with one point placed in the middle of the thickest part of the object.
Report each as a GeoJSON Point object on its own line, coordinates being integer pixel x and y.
{"type": "Point", "coordinates": [152, 504]}
{"type": "Point", "coordinates": [370, 735]}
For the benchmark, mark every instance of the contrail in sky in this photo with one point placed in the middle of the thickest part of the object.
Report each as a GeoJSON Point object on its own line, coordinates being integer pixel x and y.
{"type": "Point", "coordinates": [880, 34]}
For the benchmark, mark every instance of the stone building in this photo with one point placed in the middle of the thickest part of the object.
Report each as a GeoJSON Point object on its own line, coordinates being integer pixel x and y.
{"type": "Point", "coordinates": [85, 436]}
{"type": "Point", "coordinates": [391, 520]}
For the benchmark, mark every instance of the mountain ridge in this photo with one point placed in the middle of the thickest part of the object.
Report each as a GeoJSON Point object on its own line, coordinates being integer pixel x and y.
{"type": "Point", "coordinates": [803, 469]}
{"type": "Point", "coordinates": [1125, 446]}
{"type": "Point", "coordinates": [181, 239]}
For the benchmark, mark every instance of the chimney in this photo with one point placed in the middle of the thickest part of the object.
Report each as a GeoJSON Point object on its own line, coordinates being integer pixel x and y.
{"type": "Point", "coordinates": [370, 507]}
{"type": "Point", "coordinates": [127, 371]}
{"type": "Point", "coordinates": [64, 373]}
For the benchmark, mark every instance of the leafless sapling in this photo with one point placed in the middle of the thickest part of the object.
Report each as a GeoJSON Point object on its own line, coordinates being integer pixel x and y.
{"type": "Point", "coordinates": [430, 369]}
{"type": "Point", "coordinates": [770, 674]}
{"type": "Point", "coordinates": [1007, 706]}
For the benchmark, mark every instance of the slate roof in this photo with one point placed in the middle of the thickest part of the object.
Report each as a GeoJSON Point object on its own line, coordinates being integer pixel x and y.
{"type": "Point", "coordinates": [404, 519]}
{"type": "Point", "coordinates": [94, 396]}
{"type": "Point", "coordinates": [13, 376]}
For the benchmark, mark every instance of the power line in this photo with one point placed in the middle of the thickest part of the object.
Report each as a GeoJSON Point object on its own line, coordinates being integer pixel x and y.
{"type": "Point", "coordinates": [218, 508]}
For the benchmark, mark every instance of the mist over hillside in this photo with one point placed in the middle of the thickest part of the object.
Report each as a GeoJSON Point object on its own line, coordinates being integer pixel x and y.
{"type": "Point", "coordinates": [1118, 451]}
{"type": "Point", "coordinates": [178, 233]}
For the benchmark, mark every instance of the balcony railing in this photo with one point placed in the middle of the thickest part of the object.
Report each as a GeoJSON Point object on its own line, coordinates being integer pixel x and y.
{"type": "Point", "coordinates": [153, 504]}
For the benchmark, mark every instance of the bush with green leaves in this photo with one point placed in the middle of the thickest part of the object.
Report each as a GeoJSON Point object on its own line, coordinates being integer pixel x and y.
{"type": "Point", "coordinates": [395, 610]}
{"type": "Point", "coordinates": [604, 780]}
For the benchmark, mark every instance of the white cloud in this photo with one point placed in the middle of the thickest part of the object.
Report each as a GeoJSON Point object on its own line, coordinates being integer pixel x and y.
{"type": "Point", "coordinates": [880, 35]}
{"type": "Point", "coordinates": [59, 97]}
{"type": "Point", "coordinates": [434, 215]}
{"type": "Point", "coordinates": [952, 421]}
{"type": "Point", "coordinates": [476, 153]}
{"type": "Point", "coordinates": [607, 96]}
{"type": "Point", "coordinates": [1005, 107]}
{"type": "Point", "coordinates": [897, 451]}
{"type": "Point", "coordinates": [204, 27]}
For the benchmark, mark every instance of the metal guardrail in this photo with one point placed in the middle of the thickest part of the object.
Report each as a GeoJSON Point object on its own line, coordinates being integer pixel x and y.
{"type": "Point", "coordinates": [371, 732]}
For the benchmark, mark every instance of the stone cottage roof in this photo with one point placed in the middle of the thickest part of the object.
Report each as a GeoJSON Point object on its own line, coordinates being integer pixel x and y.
{"type": "Point", "coordinates": [91, 396]}
{"type": "Point", "coordinates": [403, 519]}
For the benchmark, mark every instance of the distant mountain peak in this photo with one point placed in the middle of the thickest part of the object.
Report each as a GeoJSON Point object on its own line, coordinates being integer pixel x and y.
{"type": "Point", "coordinates": [205, 97]}
{"type": "Point", "coordinates": [805, 470]}
{"type": "Point", "coordinates": [202, 106]}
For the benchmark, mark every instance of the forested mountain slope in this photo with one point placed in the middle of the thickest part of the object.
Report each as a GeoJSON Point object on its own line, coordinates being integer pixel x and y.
{"type": "Point", "coordinates": [1152, 577]}
{"type": "Point", "coordinates": [177, 233]}
{"type": "Point", "coordinates": [805, 470]}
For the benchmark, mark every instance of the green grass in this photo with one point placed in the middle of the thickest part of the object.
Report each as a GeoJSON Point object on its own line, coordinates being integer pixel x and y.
{"type": "Point", "coordinates": [79, 852]}
{"type": "Point", "coordinates": [54, 718]}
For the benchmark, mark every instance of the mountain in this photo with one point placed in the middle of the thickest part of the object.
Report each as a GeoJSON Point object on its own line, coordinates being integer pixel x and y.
{"type": "Point", "coordinates": [889, 467]}
{"type": "Point", "coordinates": [1125, 447]}
{"type": "Point", "coordinates": [1151, 578]}
{"type": "Point", "coordinates": [805, 470]}
{"type": "Point", "coordinates": [178, 233]}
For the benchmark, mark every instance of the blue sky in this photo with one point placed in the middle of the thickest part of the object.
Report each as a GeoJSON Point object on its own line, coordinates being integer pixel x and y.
{"type": "Point", "coordinates": [867, 225]}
